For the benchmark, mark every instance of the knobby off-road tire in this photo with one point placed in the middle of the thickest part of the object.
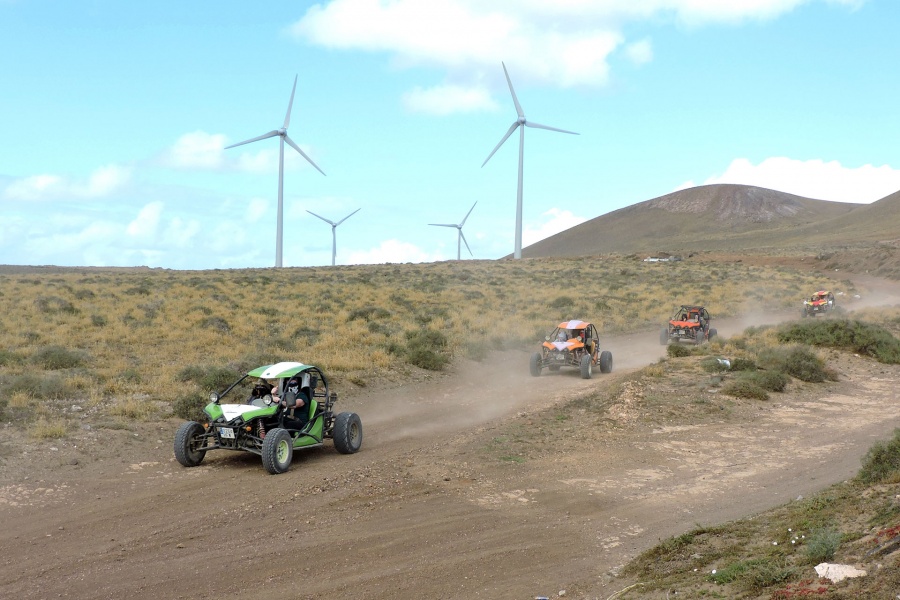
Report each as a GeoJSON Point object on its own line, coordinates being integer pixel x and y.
{"type": "Point", "coordinates": [606, 361]}
{"type": "Point", "coordinates": [535, 364]}
{"type": "Point", "coordinates": [699, 336]}
{"type": "Point", "coordinates": [587, 369]}
{"type": "Point", "coordinates": [188, 444]}
{"type": "Point", "coordinates": [277, 451]}
{"type": "Point", "coordinates": [712, 333]}
{"type": "Point", "coordinates": [348, 433]}
{"type": "Point", "coordinates": [664, 336]}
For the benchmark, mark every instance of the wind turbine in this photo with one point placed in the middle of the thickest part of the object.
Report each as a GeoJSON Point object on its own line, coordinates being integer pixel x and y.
{"type": "Point", "coordinates": [521, 123]}
{"type": "Point", "coordinates": [461, 238]}
{"type": "Point", "coordinates": [333, 232]}
{"type": "Point", "coordinates": [283, 135]}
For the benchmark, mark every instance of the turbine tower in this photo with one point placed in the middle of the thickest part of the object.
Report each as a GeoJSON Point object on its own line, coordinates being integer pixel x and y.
{"type": "Point", "coordinates": [333, 232]}
{"type": "Point", "coordinates": [460, 238]}
{"type": "Point", "coordinates": [283, 135]}
{"type": "Point", "coordinates": [521, 123]}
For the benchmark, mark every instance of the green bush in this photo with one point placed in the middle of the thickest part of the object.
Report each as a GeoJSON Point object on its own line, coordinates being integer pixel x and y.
{"type": "Point", "coordinates": [190, 407]}
{"type": "Point", "coordinates": [773, 381]}
{"type": "Point", "coordinates": [49, 386]}
{"type": "Point", "coordinates": [426, 359]}
{"type": "Point", "coordinates": [798, 361]}
{"type": "Point", "coordinates": [743, 364]}
{"type": "Point", "coordinates": [57, 357]}
{"type": "Point", "coordinates": [711, 364]}
{"type": "Point", "coordinates": [744, 388]}
{"type": "Point", "coordinates": [8, 357]}
{"type": "Point", "coordinates": [208, 378]}
{"type": "Point", "coordinates": [424, 348]}
{"type": "Point", "coordinates": [822, 544]}
{"type": "Point", "coordinates": [676, 350]}
{"type": "Point", "coordinates": [856, 336]}
{"type": "Point", "coordinates": [562, 302]}
{"type": "Point", "coordinates": [882, 462]}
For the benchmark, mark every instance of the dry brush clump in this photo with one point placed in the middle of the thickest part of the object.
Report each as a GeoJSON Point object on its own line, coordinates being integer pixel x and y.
{"type": "Point", "coordinates": [123, 336]}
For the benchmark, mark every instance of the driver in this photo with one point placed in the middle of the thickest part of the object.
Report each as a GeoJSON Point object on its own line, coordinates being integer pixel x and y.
{"type": "Point", "coordinates": [296, 401]}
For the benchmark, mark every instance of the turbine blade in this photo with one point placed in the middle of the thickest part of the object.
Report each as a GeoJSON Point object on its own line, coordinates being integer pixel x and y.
{"type": "Point", "coordinates": [539, 126]}
{"type": "Point", "coordinates": [505, 137]}
{"type": "Point", "coordinates": [348, 216]}
{"type": "Point", "coordinates": [441, 225]}
{"type": "Point", "coordinates": [467, 214]}
{"type": "Point", "coordinates": [513, 92]}
{"type": "Point", "coordinates": [323, 218]}
{"type": "Point", "coordinates": [264, 136]}
{"type": "Point", "coordinates": [287, 117]}
{"type": "Point", "coordinates": [302, 153]}
{"type": "Point", "coordinates": [465, 242]}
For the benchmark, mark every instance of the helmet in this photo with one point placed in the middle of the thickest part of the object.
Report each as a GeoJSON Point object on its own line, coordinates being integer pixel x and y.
{"type": "Point", "coordinates": [293, 386]}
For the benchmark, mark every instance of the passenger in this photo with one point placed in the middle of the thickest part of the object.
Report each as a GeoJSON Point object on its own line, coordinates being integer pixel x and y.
{"type": "Point", "coordinates": [296, 402]}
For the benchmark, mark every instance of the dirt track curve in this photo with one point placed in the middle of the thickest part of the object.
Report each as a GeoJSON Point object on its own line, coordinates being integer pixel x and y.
{"type": "Point", "coordinates": [424, 510]}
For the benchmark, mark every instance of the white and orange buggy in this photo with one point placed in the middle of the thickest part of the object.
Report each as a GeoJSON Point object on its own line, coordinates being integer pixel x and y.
{"type": "Point", "coordinates": [819, 303]}
{"type": "Point", "coordinates": [572, 344]}
{"type": "Point", "coordinates": [689, 323]}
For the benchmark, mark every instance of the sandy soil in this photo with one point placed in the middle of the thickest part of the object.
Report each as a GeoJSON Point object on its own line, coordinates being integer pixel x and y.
{"type": "Point", "coordinates": [469, 485]}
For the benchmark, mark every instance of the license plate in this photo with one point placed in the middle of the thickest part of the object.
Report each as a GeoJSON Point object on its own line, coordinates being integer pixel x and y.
{"type": "Point", "coordinates": [226, 433]}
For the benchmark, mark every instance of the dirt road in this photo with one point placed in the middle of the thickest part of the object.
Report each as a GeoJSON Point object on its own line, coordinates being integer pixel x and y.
{"type": "Point", "coordinates": [442, 502]}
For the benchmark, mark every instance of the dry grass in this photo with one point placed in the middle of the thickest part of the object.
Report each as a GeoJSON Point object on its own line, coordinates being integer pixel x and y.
{"type": "Point", "coordinates": [109, 337]}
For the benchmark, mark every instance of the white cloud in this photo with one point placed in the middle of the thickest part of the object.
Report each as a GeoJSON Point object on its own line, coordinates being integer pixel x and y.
{"type": "Point", "coordinates": [552, 222]}
{"type": "Point", "coordinates": [640, 52]}
{"type": "Point", "coordinates": [99, 184]}
{"type": "Point", "coordinates": [390, 251]}
{"type": "Point", "coordinates": [813, 178]}
{"type": "Point", "coordinates": [557, 43]}
{"type": "Point", "coordinates": [146, 222]}
{"type": "Point", "coordinates": [196, 150]}
{"type": "Point", "coordinates": [257, 209]}
{"type": "Point", "coordinates": [447, 99]}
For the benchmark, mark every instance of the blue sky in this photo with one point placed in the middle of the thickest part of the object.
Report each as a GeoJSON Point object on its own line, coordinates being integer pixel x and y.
{"type": "Point", "coordinates": [114, 117]}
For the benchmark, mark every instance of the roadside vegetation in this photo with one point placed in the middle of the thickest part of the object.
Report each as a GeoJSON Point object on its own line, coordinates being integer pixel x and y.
{"type": "Point", "coordinates": [772, 555]}
{"type": "Point", "coordinates": [134, 342]}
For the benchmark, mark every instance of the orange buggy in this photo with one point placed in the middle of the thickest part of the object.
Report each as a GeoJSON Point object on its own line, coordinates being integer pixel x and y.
{"type": "Point", "coordinates": [572, 344]}
{"type": "Point", "coordinates": [689, 323]}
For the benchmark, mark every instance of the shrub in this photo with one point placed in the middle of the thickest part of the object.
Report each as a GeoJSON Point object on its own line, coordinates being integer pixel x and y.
{"type": "Point", "coordinates": [822, 544]}
{"type": "Point", "coordinates": [856, 336]}
{"type": "Point", "coordinates": [46, 429]}
{"type": "Point", "coordinates": [743, 364]}
{"type": "Point", "coordinates": [50, 386]}
{"type": "Point", "coordinates": [711, 364]}
{"type": "Point", "coordinates": [423, 348]}
{"type": "Point", "coordinates": [744, 388]}
{"type": "Point", "coordinates": [798, 361]}
{"type": "Point", "coordinates": [189, 407]}
{"type": "Point", "coordinates": [216, 323]}
{"type": "Point", "coordinates": [57, 357]}
{"type": "Point", "coordinates": [208, 378]}
{"type": "Point", "coordinates": [426, 359]}
{"type": "Point", "coordinates": [52, 304]}
{"type": "Point", "coordinates": [8, 357]}
{"type": "Point", "coordinates": [882, 462]}
{"type": "Point", "coordinates": [368, 313]}
{"type": "Point", "coordinates": [562, 302]}
{"type": "Point", "coordinates": [677, 350]}
{"type": "Point", "coordinates": [773, 381]}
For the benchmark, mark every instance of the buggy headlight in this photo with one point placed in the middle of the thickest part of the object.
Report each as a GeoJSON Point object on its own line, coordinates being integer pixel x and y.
{"type": "Point", "coordinates": [214, 397]}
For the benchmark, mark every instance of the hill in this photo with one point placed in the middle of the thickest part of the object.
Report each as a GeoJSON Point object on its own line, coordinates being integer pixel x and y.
{"type": "Point", "coordinates": [725, 218]}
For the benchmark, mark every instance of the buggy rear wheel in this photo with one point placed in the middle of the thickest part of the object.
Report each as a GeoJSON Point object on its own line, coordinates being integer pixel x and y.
{"type": "Point", "coordinates": [606, 361]}
{"type": "Point", "coordinates": [535, 364]}
{"type": "Point", "coordinates": [664, 336]}
{"type": "Point", "coordinates": [712, 333]}
{"type": "Point", "coordinates": [587, 368]}
{"type": "Point", "coordinates": [189, 445]}
{"type": "Point", "coordinates": [348, 433]}
{"type": "Point", "coordinates": [277, 451]}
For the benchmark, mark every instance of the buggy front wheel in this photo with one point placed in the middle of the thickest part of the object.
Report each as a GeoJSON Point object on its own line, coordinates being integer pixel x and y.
{"type": "Point", "coordinates": [277, 451]}
{"type": "Point", "coordinates": [587, 368]}
{"type": "Point", "coordinates": [664, 336]}
{"type": "Point", "coordinates": [189, 444]}
{"type": "Point", "coordinates": [606, 361]}
{"type": "Point", "coordinates": [535, 364]}
{"type": "Point", "coordinates": [348, 433]}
